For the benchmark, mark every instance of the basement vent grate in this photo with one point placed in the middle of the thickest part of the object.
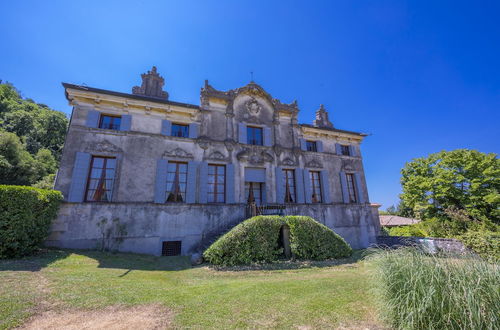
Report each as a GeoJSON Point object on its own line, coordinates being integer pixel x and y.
{"type": "Point", "coordinates": [171, 248]}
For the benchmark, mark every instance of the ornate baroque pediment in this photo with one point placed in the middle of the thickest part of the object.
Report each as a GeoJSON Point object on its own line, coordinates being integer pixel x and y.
{"type": "Point", "coordinates": [177, 153]}
{"type": "Point", "coordinates": [254, 156]}
{"type": "Point", "coordinates": [104, 146]}
{"type": "Point", "coordinates": [217, 155]}
{"type": "Point", "coordinates": [288, 162]}
{"type": "Point", "coordinates": [314, 163]}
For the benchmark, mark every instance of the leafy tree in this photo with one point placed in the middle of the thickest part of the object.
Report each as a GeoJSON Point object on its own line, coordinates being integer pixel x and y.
{"type": "Point", "coordinates": [466, 181]}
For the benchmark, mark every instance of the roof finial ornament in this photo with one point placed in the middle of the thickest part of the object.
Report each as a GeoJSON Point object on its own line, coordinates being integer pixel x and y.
{"type": "Point", "coordinates": [322, 118]}
{"type": "Point", "coordinates": [251, 76]}
{"type": "Point", "coordinates": [152, 85]}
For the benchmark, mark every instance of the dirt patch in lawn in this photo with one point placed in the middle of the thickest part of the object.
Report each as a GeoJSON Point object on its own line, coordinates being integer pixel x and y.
{"type": "Point", "coordinates": [114, 317]}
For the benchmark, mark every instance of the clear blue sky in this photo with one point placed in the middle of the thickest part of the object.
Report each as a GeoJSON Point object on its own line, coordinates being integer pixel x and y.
{"type": "Point", "coordinates": [420, 76]}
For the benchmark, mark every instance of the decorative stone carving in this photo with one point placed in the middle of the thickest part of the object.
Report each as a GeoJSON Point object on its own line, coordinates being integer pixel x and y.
{"type": "Point", "coordinates": [322, 118]}
{"type": "Point", "coordinates": [152, 85]}
{"type": "Point", "coordinates": [314, 163]}
{"type": "Point", "coordinates": [104, 146]}
{"type": "Point", "coordinates": [254, 156]}
{"type": "Point", "coordinates": [216, 155]}
{"type": "Point", "coordinates": [177, 153]}
{"type": "Point", "coordinates": [288, 162]}
{"type": "Point", "coordinates": [203, 142]}
{"type": "Point", "coordinates": [253, 107]}
{"type": "Point", "coordinates": [348, 165]}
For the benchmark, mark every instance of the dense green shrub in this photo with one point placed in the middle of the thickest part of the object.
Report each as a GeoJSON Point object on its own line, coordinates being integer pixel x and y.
{"type": "Point", "coordinates": [258, 240]}
{"type": "Point", "coordinates": [312, 240]}
{"type": "Point", "coordinates": [25, 217]}
{"type": "Point", "coordinates": [253, 240]}
{"type": "Point", "coordinates": [484, 243]}
{"type": "Point", "coordinates": [410, 230]}
{"type": "Point", "coordinates": [418, 291]}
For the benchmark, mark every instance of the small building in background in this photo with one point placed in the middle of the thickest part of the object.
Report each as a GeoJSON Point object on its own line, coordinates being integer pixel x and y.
{"type": "Point", "coordinates": [396, 221]}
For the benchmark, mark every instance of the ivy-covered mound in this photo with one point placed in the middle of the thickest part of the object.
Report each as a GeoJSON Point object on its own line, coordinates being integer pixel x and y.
{"type": "Point", "coordinates": [257, 240]}
{"type": "Point", "coordinates": [25, 217]}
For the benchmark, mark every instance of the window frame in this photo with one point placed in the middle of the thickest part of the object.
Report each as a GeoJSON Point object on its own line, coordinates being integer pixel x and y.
{"type": "Point", "coordinates": [293, 193]}
{"type": "Point", "coordinates": [179, 125]}
{"type": "Point", "coordinates": [216, 184]}
{"type": "Point", "coordinates": [183, 193]}
{"type": "Point", "coordinates": [253, 129]}
{"type": "Point", "coordinates": [345, 150]}
{"type": "Point", "coordinates": [104, 115]}
{"type": "Point", "coordinates": [261, 191]}
{"type": "Point", "coordinates": [315, 179]}
{"type": "Point", "coordinates": [87, 186]}
{"type": "Point", "coordinates": [351, 187]}
{"type": "Point", "coordinates": [313, 145]}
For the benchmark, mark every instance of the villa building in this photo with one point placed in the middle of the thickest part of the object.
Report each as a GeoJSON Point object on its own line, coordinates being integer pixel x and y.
{"type": "Point", "coordinates": [148, 175]}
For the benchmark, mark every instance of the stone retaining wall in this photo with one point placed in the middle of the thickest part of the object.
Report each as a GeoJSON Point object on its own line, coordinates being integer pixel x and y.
{"type": "Point", "coordinates": [432, 244]}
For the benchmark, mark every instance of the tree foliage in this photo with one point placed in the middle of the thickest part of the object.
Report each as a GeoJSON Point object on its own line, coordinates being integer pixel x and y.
{"type": "Point", "coordinates": [460, 186]}
{"type": "Point", "coordinates": [31, 138]}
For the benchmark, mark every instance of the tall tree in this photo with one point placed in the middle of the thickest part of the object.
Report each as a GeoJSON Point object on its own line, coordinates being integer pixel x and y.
{"type": "Point", "coordinates": [465, 180]}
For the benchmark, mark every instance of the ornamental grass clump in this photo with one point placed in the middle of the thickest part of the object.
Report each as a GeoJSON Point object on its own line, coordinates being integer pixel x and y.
{"type": "Point", "coordinates": [420, 291]}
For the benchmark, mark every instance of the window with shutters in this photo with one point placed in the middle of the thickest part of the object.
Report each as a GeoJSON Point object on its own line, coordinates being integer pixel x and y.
{"type": "Point", "coordinates": [171, 248]}
{"type": "Point", "coordinates": [311, 146]}
{"type": "Point", "coordinates": [289, 186]}
{"type": "Point", "coordinates": [110, 122]}
{"type": "Point", "coordinates": [345, 151]}
{"type": "Point", "coordinates": [176, 182]}
{"type": "Point", "coordinates": [255, 135]}
{"type": "Point", "coordinates": [351, 187]}
{"type": "Point", "coordinates": [316, 196]}
{"type": "Point", "coordinates": [180, 130]}
{"type": "Point", "coordinates": [253, 191]}
{"type": "Point", "coordinates": [216, 183]}
{"type": "Point", "coordinates": [100, 179]}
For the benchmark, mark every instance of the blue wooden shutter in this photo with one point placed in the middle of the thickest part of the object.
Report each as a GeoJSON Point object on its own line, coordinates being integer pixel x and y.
{"type": "Point", "coordinates": [319, 146]}
{"type": "Point", "coordinates": [352, 150]}
{"type": "Point", "coordinates": [161, 181]}
{"type": "Point", "coordinates": [193, 130]}
{"type": "Point", "coordinates": [267, 137]}
{"type": "Point", "coordinates": [299, 185]}
{"type": "Point", "coordinates": [79, 177]}
{"type": "Point", "coordinates": [303, 145]}
{"type": "Point", "coordinates": [359, 193]}
{"type": "Point", "coordinates": [343, 183]}
{"type": "Point", "coordinates": [280, 194]}
{"type": "Point", "coordinates": [242, 134]}
{"type": "Point", "coordinates": [166, 127]}
{"type": "Point", "coordinates": [191, 182]}
{"type": "Point", "coordinates": [126, 123]}
{"type": "Point", "coordinates": [325, 187]}
{"type": "Point", "coordinates": [338, 148]}
{"type": "Point", "coordinates": [307, 187]}
{"type": "Point", "coordinates": [93, 118]}
{"type": "Point", "coordinates": [264, 194]}
{"type": "Point", "coordinates": [229, 183]}
{"type": "Point", "coordinates": [203, 197]}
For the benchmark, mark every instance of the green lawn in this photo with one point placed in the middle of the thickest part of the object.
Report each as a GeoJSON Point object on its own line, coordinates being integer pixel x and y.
{"type": "Point", "coordinates": [284, 295]}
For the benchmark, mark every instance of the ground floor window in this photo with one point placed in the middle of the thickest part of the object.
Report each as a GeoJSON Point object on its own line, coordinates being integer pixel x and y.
{"type": "Point", "coordinates": [176, 182]}
{"type": "Point", "coordinates": [316, 196]}
{"type": "Point", "coordinates": [171, 248]}
{"type": "Point", "coordinates": [253, 192]}
{"type": "Point", "coordinates": [216, 183]}
{"type": "Point", "coordinates": [289, 186]}
{"type": "Point", "coordinates": [100, 180]}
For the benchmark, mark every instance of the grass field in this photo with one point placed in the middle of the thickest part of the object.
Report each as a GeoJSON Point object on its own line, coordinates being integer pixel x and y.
{"type": "Point", "coordinates": [284, 295]}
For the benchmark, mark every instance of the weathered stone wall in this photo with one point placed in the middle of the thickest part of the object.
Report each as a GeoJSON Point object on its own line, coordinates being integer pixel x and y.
{"type": "Point", "coordinates": [432, 244]}
{"type": "Point", "coordinates": [148, 225]}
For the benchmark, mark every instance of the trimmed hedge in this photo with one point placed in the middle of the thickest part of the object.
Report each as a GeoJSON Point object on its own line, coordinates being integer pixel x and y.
{"type": "Point", "coordinates": [257, 240]}
{"type": "Point", "coordinates": [25, 217]}
{"type": "Point", "coordinates": [312, 240]}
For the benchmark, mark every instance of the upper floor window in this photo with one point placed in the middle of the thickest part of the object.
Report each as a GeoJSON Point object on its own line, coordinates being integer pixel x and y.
{"type": "Point", "coordinates": [110, 122]}
{"type": "Point", "coordinates": [351, 188]}
{"type": "Point", "coordinates": [176, 182]}
{"type": "Point", "coordinates": [345, 150]}
{"type": "Point", "coordinates": [254, 135]}
{"type": "Point", "coordinates": [216, 183]}
{"type": "Point", "coordinates": [316, 196]}
{"type": "Point", "coordinates": [100, 179]}
{"type": "Point", "coordinates": [180, 130]}
{"type": "Point", "coordinates": [289, 176]}
{"type": "Point", "coordinates": [311, 146]}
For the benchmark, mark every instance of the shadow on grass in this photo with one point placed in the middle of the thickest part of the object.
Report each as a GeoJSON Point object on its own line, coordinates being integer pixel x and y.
{"type": "Point", "coordinates": [296, 264]}
{"type": "Point", "coordinates": [35, 262]}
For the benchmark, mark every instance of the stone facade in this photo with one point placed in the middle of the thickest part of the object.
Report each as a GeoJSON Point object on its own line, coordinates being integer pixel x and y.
{"type": "Point", "coordinates": [250, 135]}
